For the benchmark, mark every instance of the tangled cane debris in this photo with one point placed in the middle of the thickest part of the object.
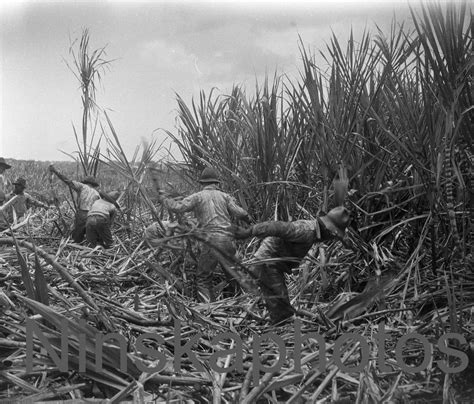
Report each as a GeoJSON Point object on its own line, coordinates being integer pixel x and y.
{"type": "Point", "coordinates": [128, 290]}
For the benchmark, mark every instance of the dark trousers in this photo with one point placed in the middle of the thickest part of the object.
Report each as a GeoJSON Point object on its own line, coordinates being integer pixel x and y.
{"type": "Point", "coordinates": [274, 291]}
{"type": "Point", "coordinates": [207, 263]}
{"type": "Point", "coordinates": [98, 231]}
{"type": "Point", "coordinates": [79, 229]}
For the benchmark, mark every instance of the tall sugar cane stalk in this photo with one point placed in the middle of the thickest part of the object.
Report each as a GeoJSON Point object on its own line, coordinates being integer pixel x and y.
{"type": "Point", "coordinates": [89, 66]}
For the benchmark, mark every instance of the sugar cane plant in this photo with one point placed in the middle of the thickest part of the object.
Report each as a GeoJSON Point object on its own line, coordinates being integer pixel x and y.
{"type": "Point", "coordinates": [88, 68]}
{"type": "Point", "coordinates": [392, 110]}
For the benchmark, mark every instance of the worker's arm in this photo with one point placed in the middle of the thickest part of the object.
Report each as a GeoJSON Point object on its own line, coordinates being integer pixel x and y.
{"type": "Point", "coordinates": [35, 202]}
{"type": "Point", "coordinates": [297, 232]}
{"type": "Point", "coordinates": [284, 230]}
{"type": "Point", "coordinates": [185, 205]}
{"type": "Point", "coordinates": [236, 211]}
{"type": "Point", "coordinates": [63, 178]}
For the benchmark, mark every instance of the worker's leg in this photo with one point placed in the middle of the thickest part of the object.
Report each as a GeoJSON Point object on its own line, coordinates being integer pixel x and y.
{"type": "Point", "coordinates": [92, 235]}
{"type": "Point", "coordinates": [224, 251]}
{"type": "Point", "coordinates": [79, 229]}
{"type": "Point", "coordinates": [275, 293]}
{"type": "Point", "coordinates": [105, 231]}
{"type": "Point", "coordinates": [271, 279]}
{"type": "Point", "coordinates": [206, 266]}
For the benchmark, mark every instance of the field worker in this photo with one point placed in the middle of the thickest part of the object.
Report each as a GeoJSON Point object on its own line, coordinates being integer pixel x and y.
{"type": "Point", "coordinates": [154, 234]}
{"type": "Point", "coordinates": [4, 183]}
{"type": "Point", "coordinates": [100, 220]}
{"type": "Point", "coordinates": [288, 243]}
{"type": "Point", "coordinates": [213, 210]}
{"type": "Point", "coordinates": [87, 193]}
{"type": "Point", "coordinates": [18, 202]}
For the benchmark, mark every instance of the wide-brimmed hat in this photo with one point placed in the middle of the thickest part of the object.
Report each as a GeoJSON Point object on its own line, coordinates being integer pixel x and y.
{"type": "Point", "coordinates": [20, 181]}
{"type": "Point", "coordinates": [337, 220]}
{"type": "Point", "coordinates": [208, 176]}
{"type": "Point", "coordinates": [90, 180]}
{"type": "Point", "coordinates": [4, 164]}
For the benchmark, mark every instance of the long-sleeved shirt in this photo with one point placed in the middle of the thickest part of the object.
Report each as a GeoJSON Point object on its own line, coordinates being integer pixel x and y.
{"type": "Point", "coordinates": [101, 207]}
{"type": "Point", "coordinates": [212, 207]}
{"type": "Point", "coordinates": [86, 195]}
{"type": "Point", "coordinates": [288, 240]}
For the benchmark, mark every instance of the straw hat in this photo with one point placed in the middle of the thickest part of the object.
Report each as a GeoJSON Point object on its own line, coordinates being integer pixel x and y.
{"type": "Point", "coordinates": [208, 176]}
{"type": "Point", "coordinates": [4, 164]}
{"type": "Point", "coordinates": [337, 220]}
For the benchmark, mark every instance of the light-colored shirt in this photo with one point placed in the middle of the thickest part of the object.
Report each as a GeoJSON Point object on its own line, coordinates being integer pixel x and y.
{"type": "Point", "coordinates": [211, 207]}
{"type": "Point", "coordinates": [86, 195]}
{"type": "Point", "coordinates": [101, 207]}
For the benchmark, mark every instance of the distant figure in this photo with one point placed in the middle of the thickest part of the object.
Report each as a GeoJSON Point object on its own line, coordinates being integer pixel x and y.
{"type": "Point", "coordinates": [100, 220]}
{"type": "Point", "coordinates": [87, 194]}
{"type": "Point", "coordinates": [283, 247]}
{"type": "Point", "coordinates": [213, 210]}
{"type": "Point", "coordinates": [4, 183]}
{"type": "Point", "coordinates": [17, 203]}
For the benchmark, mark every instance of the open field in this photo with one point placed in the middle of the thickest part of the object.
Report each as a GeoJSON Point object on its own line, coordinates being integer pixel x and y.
{"type": "Point", "coordinates": [393, 115]}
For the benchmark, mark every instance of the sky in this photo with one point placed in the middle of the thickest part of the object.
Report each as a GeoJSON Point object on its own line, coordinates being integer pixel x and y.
{"type": "Point", "coordinates": [158, 49]}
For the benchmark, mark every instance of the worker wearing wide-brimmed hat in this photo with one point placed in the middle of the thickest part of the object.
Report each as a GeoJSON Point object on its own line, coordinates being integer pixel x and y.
{"type": "Point", "coordinates": [214, 211]}
{"type": "Point", "coordinates": [4, 183]}
{"type": "Point", "coordinates": [17, 203]}
{"type": "Point", "coordinates": [283, 247]}
{"type": "Point", "coordinates": [87, 194]}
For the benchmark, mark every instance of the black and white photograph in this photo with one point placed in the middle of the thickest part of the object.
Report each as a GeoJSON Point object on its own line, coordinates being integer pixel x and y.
{"type": "Point", "coordinates": [236, 202]}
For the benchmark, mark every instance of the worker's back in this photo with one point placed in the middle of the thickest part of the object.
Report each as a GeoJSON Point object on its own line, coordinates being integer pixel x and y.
{"type": "Point", "coordinates": [211, 207]}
